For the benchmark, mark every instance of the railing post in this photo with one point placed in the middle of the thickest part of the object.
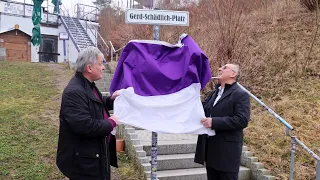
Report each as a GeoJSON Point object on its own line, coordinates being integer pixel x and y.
{"type": "Point", "coordinates": [111, 55]}
{"type": "Point", "coordinates": [87, 26]}
{"type": "Point", "coordinates": [318, 170]}
{"type": "Point", "coordinates": [287, 131]}
{"type": "Point", "coordinates": [24, 8]}
{"type": "Point", "coordinates": [293, 150]}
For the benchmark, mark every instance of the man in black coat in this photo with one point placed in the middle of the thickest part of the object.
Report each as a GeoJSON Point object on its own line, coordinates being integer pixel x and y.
{"type": "Point", "coordinates": [86, 147]}
{"type": "Point", "coordinates": [228, 111]}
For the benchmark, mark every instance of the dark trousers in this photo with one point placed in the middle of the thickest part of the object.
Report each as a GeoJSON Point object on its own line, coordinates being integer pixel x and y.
{"type": "Point", "coordinates": [213, 174]}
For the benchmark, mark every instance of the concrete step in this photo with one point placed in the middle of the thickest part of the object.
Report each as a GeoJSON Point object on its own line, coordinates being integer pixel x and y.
{"type": "Point", "coordinates": [194, 174]}
{"type": "Point", "coordinates": [175, 161]}
{"type": "Point", "coordinates": [183, 147]}
{"type": "Point", "coordinates": [137, 128]}
{"type": "Point", "coordinates": [170, 143]}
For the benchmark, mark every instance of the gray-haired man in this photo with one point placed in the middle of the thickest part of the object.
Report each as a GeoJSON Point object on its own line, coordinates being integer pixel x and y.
{"type": "Point", "coordinates": [86, 148]}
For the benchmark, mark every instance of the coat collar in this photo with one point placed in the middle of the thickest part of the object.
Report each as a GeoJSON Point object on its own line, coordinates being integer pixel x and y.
{"type": "Point", "coordinates": [88, 86]}
{"type": "Point", "coordinates": [228, 89]}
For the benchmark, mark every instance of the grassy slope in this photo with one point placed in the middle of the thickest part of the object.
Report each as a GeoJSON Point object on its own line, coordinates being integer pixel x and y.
{"type": "Point", "coordinates": [29, 110]}
{"type": "Point", "coordinates": [28, 139]}
{"type": "Point", "coordinates": [266, 136]}
{"type": "Point", "coordinates": [281, 37]}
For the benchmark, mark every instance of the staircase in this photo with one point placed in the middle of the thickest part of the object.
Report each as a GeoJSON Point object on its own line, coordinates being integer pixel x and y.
{"type": "Point", "coordinates": [104, 83]}
{"type": "Point", "coordinates": [81, 40]}
{"type": "Point", "coordinates": [77, 33]}
{"type": "Point", "coordinates": [175, 160]}
{"type": "Point", "coordinates": [176, 155]}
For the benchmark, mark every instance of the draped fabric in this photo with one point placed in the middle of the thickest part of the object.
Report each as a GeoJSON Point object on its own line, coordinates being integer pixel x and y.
{"type": "Point", "coordinates": [160, 86]}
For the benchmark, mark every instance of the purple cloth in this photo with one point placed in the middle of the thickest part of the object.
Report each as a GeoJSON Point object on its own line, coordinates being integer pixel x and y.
{"type": "Point", "coordinates": [156, 69]}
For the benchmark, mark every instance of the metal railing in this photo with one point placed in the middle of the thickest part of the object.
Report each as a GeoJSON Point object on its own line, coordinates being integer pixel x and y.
{"type": "Point", "coordinates": [114, 51]}
{"type": "Point", "coordinates": [81, 14]}
{"type": "Point", "coordinates": [294, 139]}
{"type": "Point", "coordinates": [108, 49]}
{"type": "Point", "coordinates": [102, 42]}
{"type": "Point", "coordinates": [74, 39]}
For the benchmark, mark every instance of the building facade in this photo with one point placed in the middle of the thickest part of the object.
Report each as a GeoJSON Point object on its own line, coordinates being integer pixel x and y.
{"type": "Point", "coordinates": [16, 31]}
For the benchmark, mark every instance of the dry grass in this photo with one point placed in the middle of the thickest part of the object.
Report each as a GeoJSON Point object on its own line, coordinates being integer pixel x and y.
{"type": "Point", "coordinates": [299, 104]}
{"type": "Point", "coordinates": [277, 46]}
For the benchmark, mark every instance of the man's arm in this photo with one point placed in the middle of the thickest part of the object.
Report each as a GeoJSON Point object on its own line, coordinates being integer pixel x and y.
{"type": "Point", "coordinates": [76, 112]}
{"type": "Point", "coordinates": [241, 115]}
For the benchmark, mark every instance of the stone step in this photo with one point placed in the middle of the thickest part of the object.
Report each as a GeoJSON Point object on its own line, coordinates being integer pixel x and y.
{"type": "Point", "coordinates": [183, 147]}
{"type": "Point", "coordinates": [137, 128]}
{"type": "Point", "coordinates": [194, 174]}
{"type": "Point", "coordinates": [170, 143]}
{"type": "Point", "coordinates": [174, 148]}
{"type": "Point", "coordinates": [176, 161]}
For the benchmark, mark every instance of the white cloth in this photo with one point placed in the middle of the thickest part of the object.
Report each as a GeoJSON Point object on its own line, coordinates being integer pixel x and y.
{"type": "Point", "coordinates": [178, 112]}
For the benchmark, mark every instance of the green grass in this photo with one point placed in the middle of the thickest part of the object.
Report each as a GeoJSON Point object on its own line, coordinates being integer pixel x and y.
{"type": "Point", "coordinates": [29, 110]}
{"type": "Point", "coordinates": [28, 139]}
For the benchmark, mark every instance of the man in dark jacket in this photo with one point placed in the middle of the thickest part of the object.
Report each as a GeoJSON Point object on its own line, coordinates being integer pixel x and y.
{"type": "Point", "coordinates": [86, 147]}
{"type": "Point", "coordinates": [228, 111]}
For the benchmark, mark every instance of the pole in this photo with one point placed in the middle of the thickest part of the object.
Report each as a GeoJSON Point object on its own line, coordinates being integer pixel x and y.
{"type": "Point", "coordinates": [154, 154]}
{"type": "Point", "coordinates": [24, 8]}
{"type": "Point", "coordinates": [293, 150]}
{"type": "Point", "coordinates": [47, 11]}
{"type": "Point", "coordinates": [318, 170]}
{"type": "Point", "coordinates": [154, 147]}
{"type": "Point", "coordinates": [64, 51]}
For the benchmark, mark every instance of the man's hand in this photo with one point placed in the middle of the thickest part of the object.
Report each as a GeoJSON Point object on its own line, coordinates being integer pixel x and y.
{"type": "Point", "coordinates": [114, 95]}
{"type": "Point", "coordinates": [207, 122]}
{"type": "Point", "coordinates": [115, 119]}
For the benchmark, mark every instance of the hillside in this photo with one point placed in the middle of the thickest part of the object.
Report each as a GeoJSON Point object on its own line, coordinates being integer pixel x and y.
{"type": "Point", "coordinates": [276, 44]}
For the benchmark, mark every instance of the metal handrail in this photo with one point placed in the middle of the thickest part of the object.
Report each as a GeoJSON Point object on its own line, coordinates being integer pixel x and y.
{"type": "Point", "coordinates": [78, 47]}
{"type": "Point", "coordinates": [115, 51]}
{"type": "Point", "coordinates": [69, 32]}
{"type": "Point", "coordinates": [112, 46]}
{"type": "Point", "coordinates": [285, 123]}
{"type": "Point", "coordinates": [88, 5]}
{"type": "Point", "coordinates": [294, 139]}
{"type": "Point", "coordinates": [85, 16]}
{"type": "Point", "coordinates": [76, 9]}
{"type": "Point", "coordinates": [99, 35]}
{"type": "Point", "coordinates": [89, 13]}
{"type": "Point", "coordinates": [104, 42]}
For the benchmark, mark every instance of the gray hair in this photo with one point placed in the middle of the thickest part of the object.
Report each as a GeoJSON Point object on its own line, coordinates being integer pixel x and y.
{"type": "Point", "coordinates": [87, 56]}
{"type": "Point", "coordinates": [237, 69]}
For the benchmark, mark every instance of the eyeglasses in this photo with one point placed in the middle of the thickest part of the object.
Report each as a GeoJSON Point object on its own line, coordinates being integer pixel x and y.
{"type": "Point", "coordinates": [225, 67]}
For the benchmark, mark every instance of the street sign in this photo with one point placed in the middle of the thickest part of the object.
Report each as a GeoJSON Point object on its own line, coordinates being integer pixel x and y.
{"type": "Point", "coordinates": [157, 17]}
{"type": "Point", "coordinates": [63, 36]}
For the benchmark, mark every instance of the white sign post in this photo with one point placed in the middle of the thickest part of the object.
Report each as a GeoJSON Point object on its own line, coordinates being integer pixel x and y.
{"type": "Point", "coordinates": [156, 18]}
{"type": "Point", "coordinates": [64, 36]}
